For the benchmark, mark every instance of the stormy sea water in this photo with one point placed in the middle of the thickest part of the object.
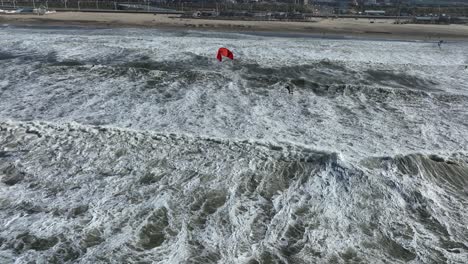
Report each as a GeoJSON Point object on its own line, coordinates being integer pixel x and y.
{"type": "Point", "coordinates": [138, 146]}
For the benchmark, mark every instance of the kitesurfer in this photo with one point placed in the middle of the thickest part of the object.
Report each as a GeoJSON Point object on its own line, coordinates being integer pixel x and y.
{"type": "Point", "coordinates": [289, 88]}
{"type": "Point", "coordinates": [440, 44]}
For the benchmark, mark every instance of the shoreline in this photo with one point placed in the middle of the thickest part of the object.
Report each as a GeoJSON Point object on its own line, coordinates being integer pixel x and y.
{"type": "Point", "coordinates": [340, 28]}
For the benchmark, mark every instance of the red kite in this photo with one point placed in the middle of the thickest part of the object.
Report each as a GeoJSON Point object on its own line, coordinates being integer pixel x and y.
{"type": "Point", "coordinates": [224, 52]}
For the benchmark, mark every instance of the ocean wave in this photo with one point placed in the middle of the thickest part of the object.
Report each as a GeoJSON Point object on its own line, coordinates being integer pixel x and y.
{"type": "Point", "coordinates": [109, 194]}
{"type": "Point", "coordinates": [138, 146]}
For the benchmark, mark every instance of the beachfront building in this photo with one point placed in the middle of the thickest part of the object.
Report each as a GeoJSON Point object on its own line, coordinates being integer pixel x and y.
{"type": "Point", "coordinates": [374, 12]}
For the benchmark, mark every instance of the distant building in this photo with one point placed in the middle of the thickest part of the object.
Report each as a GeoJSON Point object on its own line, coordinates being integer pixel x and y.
{"type": "Point", "coordinates": [374, 12]}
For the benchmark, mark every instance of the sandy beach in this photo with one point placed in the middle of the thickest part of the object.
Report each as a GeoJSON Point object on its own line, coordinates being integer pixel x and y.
{"type": "Point", "coordinates": [382, 28]}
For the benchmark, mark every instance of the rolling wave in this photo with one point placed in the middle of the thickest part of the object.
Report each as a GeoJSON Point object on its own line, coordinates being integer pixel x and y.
{"type": "Point", "coordinates": [118, 195]}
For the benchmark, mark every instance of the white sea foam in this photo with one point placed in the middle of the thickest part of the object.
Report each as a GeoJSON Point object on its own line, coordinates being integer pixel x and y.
{"type": "Point", "coordinates": [137, 145]}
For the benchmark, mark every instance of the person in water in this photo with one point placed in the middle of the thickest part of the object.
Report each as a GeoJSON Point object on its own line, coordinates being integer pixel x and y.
{"type": "Point", "coordinates": [440, 44]}
{"type": "Point", "coordinates": [290, 90]}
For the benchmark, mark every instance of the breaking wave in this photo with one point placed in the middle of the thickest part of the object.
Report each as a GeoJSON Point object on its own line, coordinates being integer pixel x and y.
{"type": "Point", "coordinates": [113, 195]}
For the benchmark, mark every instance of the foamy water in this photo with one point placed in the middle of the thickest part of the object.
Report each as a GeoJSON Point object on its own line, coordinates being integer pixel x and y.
{"type": "Point", "coordinates": [139, 146]}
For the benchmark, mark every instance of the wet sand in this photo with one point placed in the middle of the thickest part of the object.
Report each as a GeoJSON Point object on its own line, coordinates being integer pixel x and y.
{"type": "Point", "coordinates": [382, 28]}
